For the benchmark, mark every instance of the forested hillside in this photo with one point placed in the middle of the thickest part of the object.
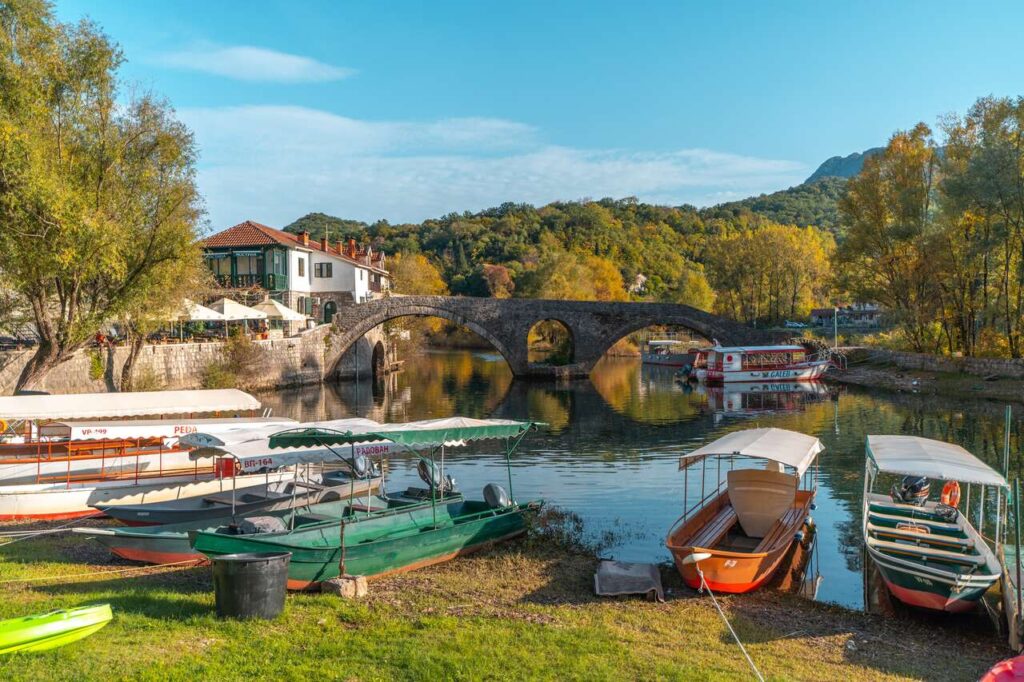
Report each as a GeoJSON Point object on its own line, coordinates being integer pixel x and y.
{"type": "Point", "coordinates": [812, 203]}
{"type": "Point", "coordinates": [612, 249]}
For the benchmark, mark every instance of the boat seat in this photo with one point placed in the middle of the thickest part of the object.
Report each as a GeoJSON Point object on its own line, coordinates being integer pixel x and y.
{"type": "Point", "coordinates": [926, 552]}
{"type": "Point", "coordinates": [779, 528]}
{"type": "Point", "coordinates": [926, 538]}
{"type": "Point", "coordinates": [896, 518]}
{"type": "Point", "coordinates": [715, 528]}
{"type": "Point", "coordinates": [760, 497]}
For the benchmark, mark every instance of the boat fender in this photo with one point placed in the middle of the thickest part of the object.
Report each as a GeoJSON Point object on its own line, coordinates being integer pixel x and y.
{"type": "Point", "coordinates": [950, 494]}
{"type": "Point", "coordinates": [799, 536]}
{"type": "Point", "coordinates": [496, 497]}
{"type": "Point", "coordinates": [813, 506]}
{"type": "Point", "coordinates": [254, 525]}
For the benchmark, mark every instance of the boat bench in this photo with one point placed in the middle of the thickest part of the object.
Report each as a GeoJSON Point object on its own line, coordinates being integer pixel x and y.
{"type": "Point", "coordinates": [926, 552]}
{"type": "Point", "coordinates": [896, 518]}
{"type": "Point", "coordinates": [925, 538]}
{"type": "Point", "coordinates": [777, 530]}
{"type": "Point", "coordinates": [715, 528]}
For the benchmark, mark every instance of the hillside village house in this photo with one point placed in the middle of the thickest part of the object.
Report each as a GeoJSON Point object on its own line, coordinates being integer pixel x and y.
{"type": "Point", "coordinates": [313, 277]}
{"type": "Point", "coordinates": [865, 315]}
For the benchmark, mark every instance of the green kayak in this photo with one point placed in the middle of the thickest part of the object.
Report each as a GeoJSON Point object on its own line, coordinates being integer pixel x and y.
{"type": "Point", "coordinates": [53, 629]}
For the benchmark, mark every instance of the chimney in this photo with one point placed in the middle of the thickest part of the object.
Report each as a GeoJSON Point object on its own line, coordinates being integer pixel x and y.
{"type": "Point", "coordinates": [305, 238]}
{"type": "Point", "coordinates": [351, 248]}
{"type": "Point", "coordinates": [323, 244]}
{"type": "Point", "coordinates": [341, 247]}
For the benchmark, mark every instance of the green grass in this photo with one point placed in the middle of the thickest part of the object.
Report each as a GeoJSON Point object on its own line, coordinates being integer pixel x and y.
{"type": "Point", "coordinates": [522, 611]}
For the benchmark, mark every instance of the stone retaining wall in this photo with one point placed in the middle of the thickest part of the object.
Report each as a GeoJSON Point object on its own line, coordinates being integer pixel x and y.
{"type": "Point", "coordinates": [289, 361]}
{"type": "Point", "coordinates": [981, 367]}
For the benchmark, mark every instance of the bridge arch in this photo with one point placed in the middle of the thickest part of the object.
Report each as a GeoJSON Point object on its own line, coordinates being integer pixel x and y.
{"type": "Point", "coordinates": [636, 325]}
{"type": "Point", "coordinates": [354, 332]}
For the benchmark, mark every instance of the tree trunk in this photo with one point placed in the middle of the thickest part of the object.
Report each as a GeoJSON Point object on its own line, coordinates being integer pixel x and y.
{"type": "Point", "coordinates": [135, 343]}
{"type": "Point", "coordinates": [46, 357]}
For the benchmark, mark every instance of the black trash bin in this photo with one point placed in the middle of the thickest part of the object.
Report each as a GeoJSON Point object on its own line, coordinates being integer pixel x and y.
{"type": "Point", "coordinates": [250, 585]}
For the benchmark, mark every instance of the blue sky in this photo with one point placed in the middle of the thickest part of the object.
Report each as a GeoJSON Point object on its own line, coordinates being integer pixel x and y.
{"type": "Point", "coordinates": [405, 110]}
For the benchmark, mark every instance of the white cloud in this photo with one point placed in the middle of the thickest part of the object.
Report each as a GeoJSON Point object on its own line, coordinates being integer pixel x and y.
{"type": "Point", "coordinates": [254, 64]}
{"type": "Point", "coordinates": [274, 164]}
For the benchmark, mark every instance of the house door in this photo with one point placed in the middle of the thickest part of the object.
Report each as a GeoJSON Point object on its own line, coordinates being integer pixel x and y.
{"type": "Point", "coordinates": [330, 307]}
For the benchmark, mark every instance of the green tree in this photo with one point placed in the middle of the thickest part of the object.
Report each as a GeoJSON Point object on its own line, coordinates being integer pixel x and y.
{"type": "Point", "coordinates": [96, 194]}
{"type": "Point", "coordinates": [888, 210]}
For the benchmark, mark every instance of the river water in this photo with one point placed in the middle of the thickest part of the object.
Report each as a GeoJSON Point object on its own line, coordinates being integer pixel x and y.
{"type": "Point", "coordinates": [610, 450]}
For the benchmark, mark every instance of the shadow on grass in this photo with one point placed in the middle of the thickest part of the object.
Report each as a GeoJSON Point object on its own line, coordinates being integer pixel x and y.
{"type": "Point", "coordinates": [177, 595]}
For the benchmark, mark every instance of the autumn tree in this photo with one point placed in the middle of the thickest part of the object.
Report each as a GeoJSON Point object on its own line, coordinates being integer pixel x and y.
{"type": "Point", "coordinates": [97, 192]}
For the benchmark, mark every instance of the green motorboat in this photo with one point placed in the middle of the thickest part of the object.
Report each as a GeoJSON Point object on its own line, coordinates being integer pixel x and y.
{"type": "Point", "coordinates": [403, 540]}
{"type": "Point", "coordinates": [169, 543]}
{"type": "Point", "coordinates": [53, 629]}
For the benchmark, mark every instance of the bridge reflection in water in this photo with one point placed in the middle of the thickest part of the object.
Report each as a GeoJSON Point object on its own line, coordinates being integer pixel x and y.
{"type": "Point", "coordinates": [611, 451]}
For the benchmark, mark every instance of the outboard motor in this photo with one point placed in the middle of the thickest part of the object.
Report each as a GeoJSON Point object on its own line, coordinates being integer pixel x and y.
{"type": "Point", "coordinates": [912, 490]}
{"type": "Point", "coordinates": [496, 497]}
{"type": "Point", "coordinates": [361, 466]}
{"type": "Point", "coordinates": [431, 475]}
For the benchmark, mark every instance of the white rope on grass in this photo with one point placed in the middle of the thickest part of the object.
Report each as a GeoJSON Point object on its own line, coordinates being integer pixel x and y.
{"type": "Point", "coordinates": [131, 569]}
{"type": "Point", "coordinates": [714, 601]}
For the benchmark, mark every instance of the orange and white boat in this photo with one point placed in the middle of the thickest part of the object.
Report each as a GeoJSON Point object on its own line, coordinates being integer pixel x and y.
{"type": "Point", "coordinates": [748, 522]}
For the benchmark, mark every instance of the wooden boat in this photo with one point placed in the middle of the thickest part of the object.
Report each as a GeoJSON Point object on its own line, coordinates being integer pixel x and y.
{"type": "Point", "coordinates": [667, 352]}
{"type": "Point", "coordinates": [53, 629]}
{"type": "Point", "coordinates": [169, 543]}
{"type": "Point", "coordinates": [239, 501]}
{"type": "Point", "coordinates": [749, 521]}
{"type": "Point", "coordinates": [75, 500]}
{"type": "Point", "coordinates": [763, 363]}
{"type": "Point", "coordinates": [928, 555]}
{"type": "Point", "coordinates": [401, 541]}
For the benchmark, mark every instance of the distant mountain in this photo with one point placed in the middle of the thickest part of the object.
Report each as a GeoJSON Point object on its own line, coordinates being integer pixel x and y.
{"type": "Point", "coordinates": [843, 166]}
{"type": "Point", "coordinates": [812, 203]}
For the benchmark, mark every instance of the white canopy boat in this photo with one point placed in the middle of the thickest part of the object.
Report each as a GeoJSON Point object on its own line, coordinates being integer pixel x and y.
{"type": "Point", "coordinates": [927, 552]}
{"type": "Point", "coordinates": [763, 364]}
{"type": "Point", "coordinates": [36, 449]}
{"type": "Point", "coordinates": [103, 450]}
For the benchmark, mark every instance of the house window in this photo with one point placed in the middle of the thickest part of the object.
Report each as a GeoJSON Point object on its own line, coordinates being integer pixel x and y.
{"type": "Point", "coordinates": [302, 267]}
{"type": "Point", "coordinates": [249, 264]}
{"type": "Point", "coordinates": [324, 269]}
{"type": "Point", "coordinates": [361, 273]}
{"type": "Point", "coordinates": [220, 265]}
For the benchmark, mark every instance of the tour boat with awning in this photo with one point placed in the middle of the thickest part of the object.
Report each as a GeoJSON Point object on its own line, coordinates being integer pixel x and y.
{"type": "Point", "coordinates": [748, 522]}
{"type": "Point", "coordinates": [927, 552]}
{"type": "Point", "coordinates": [763, 363]}
{"type": "Point", "coordinates": [373, 545]}
{"type": "Point", "coordinates": [94, 437]}
{"type": "Point", "coordinates": [69, 451]}
{"type": "Point", "coordinates": [250, 452]}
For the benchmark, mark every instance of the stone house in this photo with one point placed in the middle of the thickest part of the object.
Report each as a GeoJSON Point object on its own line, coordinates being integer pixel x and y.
{"type": "Point", "coordinates": [311, 276]}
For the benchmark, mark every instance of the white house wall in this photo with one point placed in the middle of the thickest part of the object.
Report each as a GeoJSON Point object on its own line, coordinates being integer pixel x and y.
{"type": "Point", "coordinates": [296, 283]}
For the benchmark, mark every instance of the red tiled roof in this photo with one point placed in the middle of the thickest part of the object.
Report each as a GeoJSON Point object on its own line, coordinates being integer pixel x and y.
{"type": "Point", "coordinates": [251, 233]}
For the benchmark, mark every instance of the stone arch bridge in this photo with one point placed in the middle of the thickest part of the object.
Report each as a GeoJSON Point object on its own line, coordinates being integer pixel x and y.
{"type": "Point", "coordinates": [593, 325]}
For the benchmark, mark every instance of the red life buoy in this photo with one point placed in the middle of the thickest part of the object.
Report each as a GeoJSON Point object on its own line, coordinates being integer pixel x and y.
{"type": "Point", "coordinates": [950, 494]}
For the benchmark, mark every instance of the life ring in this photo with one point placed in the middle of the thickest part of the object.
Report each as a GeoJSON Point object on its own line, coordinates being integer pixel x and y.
{"type": "Point", "coordinates": [950, 494]}
{"type": "Point", "coordinates": [3, 426]}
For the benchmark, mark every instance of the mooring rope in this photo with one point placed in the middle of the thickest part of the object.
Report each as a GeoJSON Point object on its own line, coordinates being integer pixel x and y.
{"type": "Point", "coordinates": [131, 569]}
{"type": "Point", "coordinates": [20, 535]}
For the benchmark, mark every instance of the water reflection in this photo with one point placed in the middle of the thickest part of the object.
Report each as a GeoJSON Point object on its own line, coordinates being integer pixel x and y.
{"type": "Point", "coordinates": [610, 450]}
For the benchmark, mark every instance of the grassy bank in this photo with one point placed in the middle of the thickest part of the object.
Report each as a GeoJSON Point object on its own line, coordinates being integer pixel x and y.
{"type": "Point", "coordinates": [525, 610]}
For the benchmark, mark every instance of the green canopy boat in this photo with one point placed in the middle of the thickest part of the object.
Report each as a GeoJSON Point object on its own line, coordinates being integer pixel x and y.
{"type": "Point", "coordinates": [53, 629]}
{"type": "Point", "coordinates": [402, 540]}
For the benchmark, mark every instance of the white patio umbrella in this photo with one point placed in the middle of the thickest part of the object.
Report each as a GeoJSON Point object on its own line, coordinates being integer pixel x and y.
{"type": "Point", "coordinates": [279, 311]}
{"type": "Point", "coordinates": [190, 311]}
{"type": "Point", "coordinates": [233, 310]}
{"type": "Point", "coordinates": [193, 312]}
